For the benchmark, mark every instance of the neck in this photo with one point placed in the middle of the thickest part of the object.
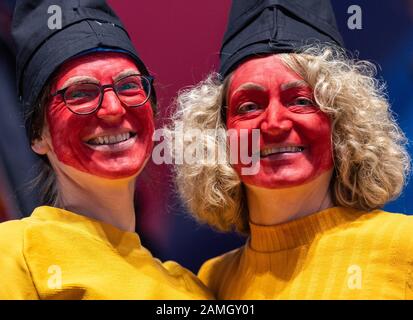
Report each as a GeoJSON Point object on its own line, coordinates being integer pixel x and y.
{"type": "Point", "coordinates": [109, 201]}
{"type": "Point", "coordinates": [275, 206]}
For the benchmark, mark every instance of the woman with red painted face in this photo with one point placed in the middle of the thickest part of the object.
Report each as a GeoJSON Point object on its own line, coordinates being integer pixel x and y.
{"type": "Point", "coordinates": [330, 155]}
{"type": "Point", "coordinates": [90, 103]}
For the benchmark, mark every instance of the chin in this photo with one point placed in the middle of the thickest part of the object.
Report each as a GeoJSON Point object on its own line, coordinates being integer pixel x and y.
{"type": "Point", "coordinates": [115, 167]}
{"type": "Point", "coordinates": [119, 173]}
{"type": "Point", "coordinates": [115, 171]}
{"type": "Point", "coordinates": [277, 182]}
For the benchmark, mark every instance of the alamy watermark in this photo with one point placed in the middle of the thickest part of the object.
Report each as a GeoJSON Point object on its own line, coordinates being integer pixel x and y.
{"type": "Point", "coordinates": [355, 21]}
{"type": "Point", "coordinates": [54, 22]}
{"type": "Point", "coordinates": [208, 147]}
{"type": "Point", "coordinates": [355, 277]}
{"type": "Point", "coordinates": [55, 279]}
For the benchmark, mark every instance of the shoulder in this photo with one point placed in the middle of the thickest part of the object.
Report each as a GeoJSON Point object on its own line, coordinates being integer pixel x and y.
{"type": "Point", "coordinates": [391, 225]}
{"type": "Point", "coordinates": [385, 234]}
{"type": "Point", "coordinates": [214, 269]}
{"type": "Point", "coordinates": [12, 235]}
{"type": "Point", "coordinates": [188, 279]}
{"type": "Point", "coordinates": [13, 232]}
{"type": "Point", "coordinates": [398, 234]}
{"type": "Point", "coordinates": [15, 278]}
{"type": "Point", "coordinates": [382, 215]}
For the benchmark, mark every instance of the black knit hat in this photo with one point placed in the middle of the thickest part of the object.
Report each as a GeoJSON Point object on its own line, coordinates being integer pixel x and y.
{"type": "Point", "coordinates": [86, 24]}
{"type": "Point", "coordinates": [275, 26]}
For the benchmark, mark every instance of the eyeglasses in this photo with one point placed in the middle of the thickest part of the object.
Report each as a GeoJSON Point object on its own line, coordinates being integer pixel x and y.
{"type": "Point", "coordinates": [86, 98]}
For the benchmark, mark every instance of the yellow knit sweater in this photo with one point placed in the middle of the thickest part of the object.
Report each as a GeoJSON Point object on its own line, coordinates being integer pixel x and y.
{"type": "Point", "coordinates": [56, 254]}
{"type": "Point", "coordinates": [338, 253]}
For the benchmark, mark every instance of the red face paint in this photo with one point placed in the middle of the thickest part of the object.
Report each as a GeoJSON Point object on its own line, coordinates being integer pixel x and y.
{"type": "Point", "coordinates": [70, 133]}
{"type": "Point", "coordinates": [295, 136]}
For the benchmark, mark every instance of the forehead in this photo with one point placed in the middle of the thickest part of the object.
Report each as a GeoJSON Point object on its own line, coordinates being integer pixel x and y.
{"type": "Point", "coordinates": [265, 71]}
{"type": "Point", "coordinates": [97, 65]}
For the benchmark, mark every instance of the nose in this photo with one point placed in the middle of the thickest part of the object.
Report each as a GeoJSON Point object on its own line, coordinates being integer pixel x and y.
{"type": "Point", "coordinates": [276, 122]}
{"type": "Point", "coordinates": [111, 109]}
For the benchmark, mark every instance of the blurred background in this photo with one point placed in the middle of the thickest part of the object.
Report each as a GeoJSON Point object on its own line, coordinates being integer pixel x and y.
{"type": "Point", "coordinates": [179, 41]}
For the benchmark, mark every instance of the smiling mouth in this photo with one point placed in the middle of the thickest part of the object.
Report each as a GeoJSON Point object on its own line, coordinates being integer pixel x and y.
{"type": "Point", "coordinates": [111, 139]}
{"type": "Point", "coordinates": [280, 150]}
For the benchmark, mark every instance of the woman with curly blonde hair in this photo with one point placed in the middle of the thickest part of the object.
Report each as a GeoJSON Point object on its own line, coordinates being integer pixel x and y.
{"type": "Point", "coordinates": [330, 156]}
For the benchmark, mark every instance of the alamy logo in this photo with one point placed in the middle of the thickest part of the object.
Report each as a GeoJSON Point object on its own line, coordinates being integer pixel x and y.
{"type": "Point", "coordinates": [354, 22]}
{"type": "Point", "coordinates": [355, 277]}
{"type": "Point", "coordinates": [54, 22]}
{"type": "Point", "coordinates": [55, 279]}
{"type": "Point", "coordinates": [195, 146]}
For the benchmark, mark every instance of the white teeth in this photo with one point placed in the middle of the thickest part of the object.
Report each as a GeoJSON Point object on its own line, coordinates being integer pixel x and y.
{"type": "Point", "coordinates": [290, 149]}
{"type": "Point", "coordinates": [110, 139]}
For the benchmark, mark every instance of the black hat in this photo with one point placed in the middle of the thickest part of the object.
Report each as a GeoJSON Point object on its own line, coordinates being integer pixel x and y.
{"type": "Point", "coordinates": [85, 25]}
{"type": "Point", "coordinates": [275, 26]}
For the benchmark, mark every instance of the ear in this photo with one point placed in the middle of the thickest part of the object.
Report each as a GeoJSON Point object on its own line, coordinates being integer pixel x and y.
{"type": "Point", "coordinates": [40, 146]}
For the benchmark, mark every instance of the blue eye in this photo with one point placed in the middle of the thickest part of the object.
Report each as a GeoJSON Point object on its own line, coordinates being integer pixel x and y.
{"type": "Point", "coordinates": [248, 107]}
{"type": "Point", "coordinates": [80, 94]}
{"type": "Point", "coordinates": [128, 86]}
{"type": "Point", "coordinates": [301, 101]}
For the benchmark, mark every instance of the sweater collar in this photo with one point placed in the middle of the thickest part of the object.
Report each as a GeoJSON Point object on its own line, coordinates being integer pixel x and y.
{"type": "Point", "coordinates": [298, 232]}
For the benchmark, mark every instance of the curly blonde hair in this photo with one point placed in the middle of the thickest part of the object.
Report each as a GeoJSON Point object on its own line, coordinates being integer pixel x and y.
{"type": "Point", "coordinates": [370, 156]}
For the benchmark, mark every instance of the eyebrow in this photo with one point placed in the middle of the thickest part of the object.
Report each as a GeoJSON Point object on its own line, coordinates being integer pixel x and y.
{"type": "Point", "coordinates": [79, 79]}
{"type": "Point", "coordinates": [293, 84]}
{"type": "Point", "coordinates": [283, 87]}
{"type": "Point", "coordinates": [126, 73]}
{"type": "Point", "coordinates": [88, 79]}
{"type": "Point", "coordinates": [249, 86]}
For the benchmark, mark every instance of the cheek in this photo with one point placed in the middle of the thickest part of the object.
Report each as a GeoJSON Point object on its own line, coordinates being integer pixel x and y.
{"type": "Point", "coordinates": [65, 127]}
{"type": "Point", "coordinates": [143, 121]}
{"type": "Point", "coordinates": [317, 132]}
{"type": "Point", "coordinates": [244, 147]}
{"type": "Point", "coordinates": [242, 140]}
{"type": "Point", "coordinates": [60, 125]}
{"type": "Point", "coordinates": [247, 121]}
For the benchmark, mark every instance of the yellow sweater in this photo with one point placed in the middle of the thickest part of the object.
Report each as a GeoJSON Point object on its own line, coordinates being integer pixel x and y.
{"type": "Point", "coordinates": [338, 253]}
{"type": "Point", "coordinates": [56, 254]}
